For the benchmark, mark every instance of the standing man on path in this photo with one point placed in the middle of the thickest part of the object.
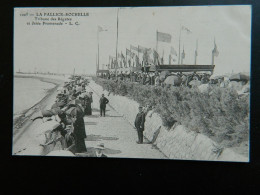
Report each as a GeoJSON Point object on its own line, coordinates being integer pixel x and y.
{"type": "Point", "coordinates": [103, 102]}
{"type": "Point", "coordinates": [91, 101]}
{"type": "Point", "coordinates": [139, 124]}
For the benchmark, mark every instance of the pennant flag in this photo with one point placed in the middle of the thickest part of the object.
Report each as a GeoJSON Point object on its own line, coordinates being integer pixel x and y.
{"type": "Point", "coordinates": [100, 29]}
{"type": "Point", "coordinates": [164, 37]}
{"type": "Point", "coordinates": [186, 29]}
{"type": "Point", "coordinates": [215, 51]}
{"type": "Point", "coordinates": [183, 54]}
{"type": "Point", "coordinates": [173, 51]}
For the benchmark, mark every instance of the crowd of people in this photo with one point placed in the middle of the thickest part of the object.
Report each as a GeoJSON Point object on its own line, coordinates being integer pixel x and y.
{"type": "Point", "coordinates": [158, 78]}
{"type": "Point", "coordinates": [72, 103]}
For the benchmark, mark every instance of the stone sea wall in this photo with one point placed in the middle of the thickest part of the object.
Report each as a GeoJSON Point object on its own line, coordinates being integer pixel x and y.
{"type": "Point", "coordinates": [177, 142]}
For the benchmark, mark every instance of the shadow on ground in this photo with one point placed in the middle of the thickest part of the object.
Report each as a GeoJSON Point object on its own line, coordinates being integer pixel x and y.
{"type": "Point", "coordinates": [92, 116]}
{"type": "Point", "coordinates": [90, 123]}
{"type": "Point", "coordinates": [107, 115]}
{"type": "Point", "coordinates": [98, 110]}
{"type": "Point", "coordinates": [91, 150]}
{"type": "Point", "coordinates": [99, 138]}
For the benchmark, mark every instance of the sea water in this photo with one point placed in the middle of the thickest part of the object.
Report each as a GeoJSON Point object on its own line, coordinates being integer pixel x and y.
{"type": "Point", "coordinates": [27, 93]}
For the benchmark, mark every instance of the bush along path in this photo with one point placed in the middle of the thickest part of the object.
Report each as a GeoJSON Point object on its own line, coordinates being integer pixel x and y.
{"type": "Point", "coordinates": [219, 113]}
{"type": "Point", "coordinates": [118, 135]}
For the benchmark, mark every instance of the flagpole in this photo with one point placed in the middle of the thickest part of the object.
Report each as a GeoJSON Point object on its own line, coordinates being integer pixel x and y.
{"type": "Point", "coordinates": [179, 46]}
{"type": "Point", "coordinates": [126, 57]}
{"type": "Point", "coordinates": [196, 52]}
{"type": "Point", "coordinates": [98, 50]}
{"type": "Point", "coordinates": [138, 54]}
{"type": "Point", "coordinates": [156, 41]}
{"type": "Point", "coordinates": [117, 39]}
{"type": "Point", "coordinates": [212, 62]}
{"type": "Point", "coordinates": [130, 56]}
{"type": "Point", "coordinates": [182, 55]}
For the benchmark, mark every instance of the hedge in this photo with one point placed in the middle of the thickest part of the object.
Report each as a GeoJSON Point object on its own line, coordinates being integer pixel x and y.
{"type": "Point", "coordinates": [220, 114]}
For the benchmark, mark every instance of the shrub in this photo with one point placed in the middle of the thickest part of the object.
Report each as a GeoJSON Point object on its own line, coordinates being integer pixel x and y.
{"type": "Point", "coordinates": [220, 114]}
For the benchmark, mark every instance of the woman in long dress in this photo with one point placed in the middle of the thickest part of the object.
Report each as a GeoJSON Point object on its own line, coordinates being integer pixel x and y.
{"type": "Point", "coordinates": [77, 114]}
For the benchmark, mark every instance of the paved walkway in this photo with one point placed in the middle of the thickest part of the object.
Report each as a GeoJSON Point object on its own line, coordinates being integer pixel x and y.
{"type": "Point", "coordinates": [117, 134]}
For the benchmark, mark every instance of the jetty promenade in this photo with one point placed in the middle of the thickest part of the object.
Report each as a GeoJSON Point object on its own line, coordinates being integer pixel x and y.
{"type": "Point", "coordinates": [114, 131]}
{"type": "Point", "coordinates": [117, 134]}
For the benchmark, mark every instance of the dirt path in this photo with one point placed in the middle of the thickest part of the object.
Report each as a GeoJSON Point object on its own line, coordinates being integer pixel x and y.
{"type": "Point", "coordinates": [118, 136]}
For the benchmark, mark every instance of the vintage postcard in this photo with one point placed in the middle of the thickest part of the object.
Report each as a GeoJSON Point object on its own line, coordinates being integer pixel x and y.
{"type": "Point", "coordinates": [133, 82]}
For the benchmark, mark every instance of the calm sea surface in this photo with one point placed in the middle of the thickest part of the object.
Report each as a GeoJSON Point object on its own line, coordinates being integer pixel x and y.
{"type": "Point", "coordinates": [28, 92]}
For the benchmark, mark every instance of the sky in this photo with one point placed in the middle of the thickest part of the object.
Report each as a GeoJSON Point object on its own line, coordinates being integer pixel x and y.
{"type": "Point", "coordinates": [61, 48]}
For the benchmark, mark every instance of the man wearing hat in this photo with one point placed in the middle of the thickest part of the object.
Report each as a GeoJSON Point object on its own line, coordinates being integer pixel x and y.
{"type": "Point", "coordinates": [103, 102]}
{"type": "Point", "coordinates": [139, 124]}
{"type": "Point", "coordinates": [99, 150]}
{"type": "Point", "coordinates": [91, 101]}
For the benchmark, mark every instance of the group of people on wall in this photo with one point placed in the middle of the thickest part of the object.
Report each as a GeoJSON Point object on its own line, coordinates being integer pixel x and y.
{"type": "Point", "coordinates": [72, 103]}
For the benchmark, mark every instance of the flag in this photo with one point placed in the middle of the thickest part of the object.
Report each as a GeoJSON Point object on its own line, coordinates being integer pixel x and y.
{"type": "Point", "coordinates": [173, 51]}
{"type": "Point", "coordinates": [144, 49]}
{"type": "Point", "coordinates": [137, 61]}
{"type": "Point", "coordinates": [196, 52]}
{"type": "Point", "coordinates": [215, 51]}
{"type": "Point", "coordinates": [100, 29]}
{"type": "Point", "coordinates": [133, 48]}
{"type": "Point", "coordinates": [123, 59]}
{"type": "Point", "coordinates": [164, 37]}
{"type": "Point", "coordinates": [122, 55]}
{"type": "Point", "coordinates": [183, 54]}
{"type": "Point", "coordinates": [129, 53]}
{"type": "Point", "coordinates": [186, 29]}
{"type": "Point", "coordinates": [129, 63]}
{"type": "Point", "coordinates": [155, 57]}
{"type": "Point", "coordinates": [112, 63]}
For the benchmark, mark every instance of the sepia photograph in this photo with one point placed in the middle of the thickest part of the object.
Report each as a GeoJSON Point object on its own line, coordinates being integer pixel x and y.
{"type": "Point", "coordinates": [168, 82]}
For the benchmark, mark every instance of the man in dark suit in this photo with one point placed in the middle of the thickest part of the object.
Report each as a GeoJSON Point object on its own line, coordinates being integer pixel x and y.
{"type": "Point", "coordinates": [103, 102]}
{"type": "Point", "coordinates": [139, 124]}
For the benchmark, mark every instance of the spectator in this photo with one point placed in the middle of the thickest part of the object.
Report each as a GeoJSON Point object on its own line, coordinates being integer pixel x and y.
{"type": "Point", "coordinates": [139, 124]}
{"type": "Point", "coordinates": [103, 102]}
